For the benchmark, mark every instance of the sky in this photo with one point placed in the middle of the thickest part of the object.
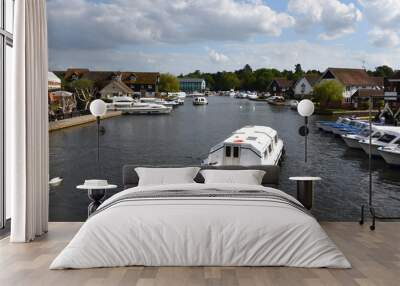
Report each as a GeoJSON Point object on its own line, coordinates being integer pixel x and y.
{"type": "Point", "coordinates": [180, 36]}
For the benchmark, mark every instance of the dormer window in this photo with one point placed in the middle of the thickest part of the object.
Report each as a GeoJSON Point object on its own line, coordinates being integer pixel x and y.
{"type": "Point", "coordinates": [74, 77]}
{"type": "Point", "coordinates": [132, 77]}
{"type": "Point", "coordinates": [116, 77]}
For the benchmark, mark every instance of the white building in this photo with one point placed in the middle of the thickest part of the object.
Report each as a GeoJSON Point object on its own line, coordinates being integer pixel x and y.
{"type": "Point", "coordinates": [352, 80]}
{"type": "Point", "coordinates": [54, 83]}
{"type": "Point", "coordinates": [305, 85]}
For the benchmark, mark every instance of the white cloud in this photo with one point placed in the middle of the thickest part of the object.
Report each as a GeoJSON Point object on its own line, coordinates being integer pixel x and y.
{"type": "Point", "coordinates": [334, 17]}
{"type": "Point", "coordinates": [384, 17]}
{"type": "Point", "coordinates": [274, 54]}
{"type": "Point", "coordinates": [385, 38]}
{"type": "Point", "coordinates": [216, 57]}
{"type": "Point", "coordinates": [100, 25]}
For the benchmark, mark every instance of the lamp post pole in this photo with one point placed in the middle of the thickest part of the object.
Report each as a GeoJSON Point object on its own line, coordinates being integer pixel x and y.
{"type": "Point", "coordinates": [305, 137]}
{"type": "Point", "coordinates": [98, 139]}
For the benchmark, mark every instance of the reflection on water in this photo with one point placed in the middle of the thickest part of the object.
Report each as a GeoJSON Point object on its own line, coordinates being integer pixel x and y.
{"type": "Point", "coordinates": [185, 137]}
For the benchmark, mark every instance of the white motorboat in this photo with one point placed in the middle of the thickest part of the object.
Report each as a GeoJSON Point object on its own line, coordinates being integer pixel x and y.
{"type": "Point", "coordinates": [252, 96]}
{"type": "Point", "coordinates": [293, 104]}
{"type": "Point", "coordinates": [200, 100]}
{"type": "Point", "coordinates": [146, 108]}
{"type": "Point", "coordinates": [250, 145]}
{"type": "Point", "coordinates": [276, 100]}
{"type": "Point", "coordinates": [195, 94]}
{"type": "Point", "coordinates": [352, 140]}
{"type": "Point", "coordinates": [389, 137]}
{"type": "Point", "coordinates": [391, 154]}
{"type": "Point", "coordinates": [160, 101]}
{"type": "Point", "coordinates": [127, 105]}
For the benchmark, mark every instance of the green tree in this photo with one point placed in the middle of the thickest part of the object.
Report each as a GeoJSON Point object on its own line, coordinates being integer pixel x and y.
{"type": "Point", "coordinates": [84, 91]}
{"type": "Point", "coordinates": [384, 71]}
{"type": "Point", "coordinates": [227, 81]}
{"type": "Point", "coordinates": [79, 84]}
{"type": "Point", "coordinates": [329, 94]}
{"type": "Point", "coordinates": [263, 78]}
{"type": "Point", "coordinates": [168, 83]}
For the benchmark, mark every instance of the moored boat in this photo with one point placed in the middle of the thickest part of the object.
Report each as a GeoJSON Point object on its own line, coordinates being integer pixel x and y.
{"type": "Point", "coordinates": [200, 100]}
{"type": "Point", "coordinates": [293, 104]}
{"type": "Point", "coordinates": [250, 145]}
{"type": "Point", "coordinates": [391, 154]}
{"type": "Point", "coordinates": [389, 137]}
{"type": "Point", "coordinates": [127, 105]}
{"type": "Point", "coordinates": [276, 100]}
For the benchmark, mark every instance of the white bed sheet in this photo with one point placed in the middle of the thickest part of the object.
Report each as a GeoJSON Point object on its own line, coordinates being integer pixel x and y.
{"type": "Point", "coordinates": [200, 232]}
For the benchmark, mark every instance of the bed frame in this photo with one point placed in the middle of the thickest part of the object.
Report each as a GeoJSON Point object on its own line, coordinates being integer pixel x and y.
{"type": "Point", "coordinates": [130, 178]}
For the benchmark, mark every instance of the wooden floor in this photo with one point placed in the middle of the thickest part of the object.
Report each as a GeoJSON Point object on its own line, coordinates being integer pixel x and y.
{"type": "Point", "coordinates": [375, 257]}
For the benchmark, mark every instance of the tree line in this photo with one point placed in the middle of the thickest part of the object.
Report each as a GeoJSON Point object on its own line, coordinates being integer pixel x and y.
{"type": "Point", "coordinates": [259, 79]}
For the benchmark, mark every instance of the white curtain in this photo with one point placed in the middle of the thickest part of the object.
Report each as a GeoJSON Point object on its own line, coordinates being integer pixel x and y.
{"type": "Point", "coordinates": [27, 167]}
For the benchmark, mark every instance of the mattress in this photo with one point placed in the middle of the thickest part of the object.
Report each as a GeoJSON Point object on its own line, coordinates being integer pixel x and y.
{"type": "Point", "coordinates": [201, 225]}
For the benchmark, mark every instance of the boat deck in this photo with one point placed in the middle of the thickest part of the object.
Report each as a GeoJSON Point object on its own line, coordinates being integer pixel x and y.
{"type": "Point", "coordinates": [375, 257]}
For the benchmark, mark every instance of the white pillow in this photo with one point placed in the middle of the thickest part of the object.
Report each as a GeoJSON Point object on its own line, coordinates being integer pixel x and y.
{"type": "Point", "coordinates": [166, 176]}
{"type": "Point", "coordinates": [247, 177]}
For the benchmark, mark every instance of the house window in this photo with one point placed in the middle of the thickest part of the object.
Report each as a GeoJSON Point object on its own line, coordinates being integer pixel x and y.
{"type": "Point", "coordinates": [6, 44]}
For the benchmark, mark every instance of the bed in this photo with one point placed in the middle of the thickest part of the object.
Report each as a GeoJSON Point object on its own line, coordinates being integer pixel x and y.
{"type": "Point", "coordinates": [201, 224]}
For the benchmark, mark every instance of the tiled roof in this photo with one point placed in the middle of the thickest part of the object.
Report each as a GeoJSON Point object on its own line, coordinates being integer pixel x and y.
{"type": "Point", "coordinates": [105, 76]}
{"type": "Point", "coordinates": [283, 82]}
{"type": "Point", "coordinates": [378, 80]}
{"type": "Point", "coordinates": [118, 85]}
{"type": "Point", "coordinates": [352, 77]}
{"type": "Point", "coordinates": [364, 92]}
{"type": "Point", "coordinates": [312, 79]}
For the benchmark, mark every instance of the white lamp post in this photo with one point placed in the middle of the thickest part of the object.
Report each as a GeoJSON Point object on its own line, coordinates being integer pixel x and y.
{"type": "Point", "coordinates": [98, 108]}
{"type": "Point", "coordinates": [305, 108]}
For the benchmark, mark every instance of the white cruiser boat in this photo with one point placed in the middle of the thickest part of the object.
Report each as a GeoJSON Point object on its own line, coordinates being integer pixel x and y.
{"type": "Point", "coordinates": [391, 154]}
{"type": "Point", "coordinates": [128, 105]}
{"type": "Point", "coordinates": [172, 103]}
{"type": "Point", "coordinates": [389, 137]}
{"type": "Point", "coordinates": [252, 96]}
{"type": "Point", "coordinates": [200, 100]}
{"type": "Point", "coordinates": [250, 145]}
{"type": "Point", "coordinates": [352, 140]}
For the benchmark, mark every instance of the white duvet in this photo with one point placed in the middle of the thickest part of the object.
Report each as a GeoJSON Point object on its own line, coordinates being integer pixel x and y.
{"type": "Point", "coordinates": [200, 231]}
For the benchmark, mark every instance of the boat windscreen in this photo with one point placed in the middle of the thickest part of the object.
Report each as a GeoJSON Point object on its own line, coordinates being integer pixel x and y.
{"type": "Point", "coordinates": [387, 138]}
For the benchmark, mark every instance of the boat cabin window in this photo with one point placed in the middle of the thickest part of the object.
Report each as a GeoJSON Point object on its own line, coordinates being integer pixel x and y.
{"type": "Point", "coordinates": [276, 138]}
{"type": "Point", "coordinates": [377, 135]}
{"type": "Point", "coordinates": [228, 151]}
{"type": "Point", "coordinates": [270, 149]}
{"type": "Point", "coordinates": [235, 152]}
{"type": "Point", "coordinates": [387, 138]}
{"type": "Point", "coordinates": [365, 132]}
{"type": "Point", "coordinates": [397, 142]}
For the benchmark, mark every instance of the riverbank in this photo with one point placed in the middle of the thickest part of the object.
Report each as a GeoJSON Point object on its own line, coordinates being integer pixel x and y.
{"type": "Point", "coordinates": [75, 121]}
{"type": "Point", "coordinates": [343, 112]}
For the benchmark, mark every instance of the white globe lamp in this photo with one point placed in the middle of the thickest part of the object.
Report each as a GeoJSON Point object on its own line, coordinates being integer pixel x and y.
{"type": "Point", "coordinates": [98, 107]}
{"type": "Point", "coordinates": [305, 108]}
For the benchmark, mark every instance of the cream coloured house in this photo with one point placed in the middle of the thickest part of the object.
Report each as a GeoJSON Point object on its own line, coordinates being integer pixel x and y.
{"type": "Point", "coordinates": [305, 85]}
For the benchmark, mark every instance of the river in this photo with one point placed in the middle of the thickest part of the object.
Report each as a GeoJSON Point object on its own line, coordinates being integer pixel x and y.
{"type": "Point", "coordinates": [184, 138]}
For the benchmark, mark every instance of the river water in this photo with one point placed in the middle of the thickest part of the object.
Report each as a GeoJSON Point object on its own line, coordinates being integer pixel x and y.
{"type": "Point", "coordinates": [184, 138]}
